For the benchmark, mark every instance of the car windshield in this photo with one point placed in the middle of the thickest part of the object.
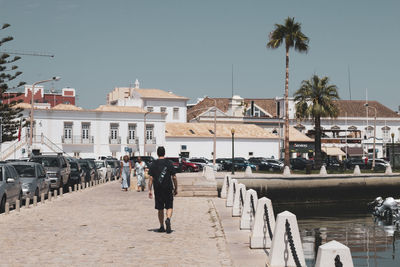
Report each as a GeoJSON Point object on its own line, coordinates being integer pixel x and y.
{"type": "Point", "coordinates": [46, 162]}
{"type": "Point", "coordinates": [84, 164]}
{"type": "Point", "coordinates": [25, 170]}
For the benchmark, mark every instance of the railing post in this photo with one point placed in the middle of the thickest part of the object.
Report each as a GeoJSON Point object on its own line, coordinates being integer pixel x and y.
{"type": "Point", "coordinates": [42, 200]}
{"type": "Point", "coordinates": [238, 200]}
{"type": "Point", "coordinates": [250, 205]}
{"type": "Point", "coordinates": [231, 189]}
{"type": "Point", "coordinates": [225, 186]}
{"type": "Point", "coordinates": [260, 236]}
{"type": "Point", "coordinates": [286, 248]}
{"type": "Point", "coordinates": [335, 254]}
{"type": "Point", "coordinates": [34, 201]}
{"type": "Point", "coordinates": [27, 202]}
{"type": "Point", "coordinates": [7, 208]}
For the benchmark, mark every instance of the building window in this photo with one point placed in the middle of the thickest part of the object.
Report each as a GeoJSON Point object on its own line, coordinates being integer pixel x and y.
{"type": "Point", "coordinates": [150, 109]}
{"type": "Point", "coordinates": [369, 132]}
{"type": "Point", "coordinates": [68, 130]}
{"type": "Point", "coordinates": [114, 131]}
{"type": "Point", "coordinates": [149, 132]}
{"type": "Point", "coordinates": [85, 130]}
{"type": "Point", "coordinates": [250, 154]}
{"type": "Point", "coordinates": [163, 109]}
{"type": "Point", "coordinates": [183, 147]}
{"type": "Point", "coordinates": [176, 114]}
{"type": "Point", "coordinates": [76, 154]}
{"type": "Point", "coordinates": [131, 131]}
{"type": "Point", "coordinates": [386, 134]}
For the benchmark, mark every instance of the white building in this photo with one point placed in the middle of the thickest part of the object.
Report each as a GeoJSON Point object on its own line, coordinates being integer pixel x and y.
{"type": "Point", "coordinates": [105, 131]}
{"type": "Point", "coordinates": [353, 128]}
{"type": "Point", "coordinates": [151, 100]}
{"type": "Point", "coordinates": [196, 140]}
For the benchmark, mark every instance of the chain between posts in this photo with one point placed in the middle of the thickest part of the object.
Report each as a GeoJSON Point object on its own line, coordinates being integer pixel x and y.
{"type": "Point", "coordinates": [266, 219]}
{"type": "Point", "coordinates": [338, 263]}
{"type": "Point", "coordinates": [291, 244]}
{"type": "Point", "coordinates": [253, 210]}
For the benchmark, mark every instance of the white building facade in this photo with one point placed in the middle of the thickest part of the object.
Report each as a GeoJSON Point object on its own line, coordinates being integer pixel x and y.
{"type": "Point", "coordinates": [105, 131]}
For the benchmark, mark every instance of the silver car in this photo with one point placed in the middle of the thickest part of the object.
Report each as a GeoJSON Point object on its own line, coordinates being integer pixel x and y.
{"type": "Point", "coordinates": [10, 186]}
{"type": "Point", "coordinates": [33, 178]}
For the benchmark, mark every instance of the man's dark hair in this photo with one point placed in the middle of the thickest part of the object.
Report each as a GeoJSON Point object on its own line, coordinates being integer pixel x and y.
{"type": "Point", "coordinates": [161, 151]}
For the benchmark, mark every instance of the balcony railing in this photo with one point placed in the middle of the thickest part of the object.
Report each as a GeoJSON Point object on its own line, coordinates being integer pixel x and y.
{"type": "Point", "coordinates": [77, 139]}
{"type": "Point", "coordinates": [151, 141]}
{"type": "Point", "coordinates": [134, 141]}
{"type": "Point", "coordinates": [114, 140]}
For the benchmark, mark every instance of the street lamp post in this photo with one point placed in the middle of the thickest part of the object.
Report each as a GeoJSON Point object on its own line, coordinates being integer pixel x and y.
{"type": "Point", "coordinates": [392, 150]}
{"type": "Point", "coordinates": [233, 150]}
{"type": "Point", "coordinates": [373, 147]}
{"type": "Point", "coordinates": [32, 107]}
{"type": "Point", "coordinates": [215, 133]}
{"type": "Point", "coordinates": [144, 133]}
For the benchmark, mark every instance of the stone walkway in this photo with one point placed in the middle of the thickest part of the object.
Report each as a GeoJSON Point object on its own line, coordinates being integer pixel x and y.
{"type": "Point", "coordinates": [103, 226]}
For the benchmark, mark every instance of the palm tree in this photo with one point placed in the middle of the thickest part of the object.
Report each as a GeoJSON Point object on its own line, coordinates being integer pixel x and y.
{"type": "Point", "coordinates": [316, 99]}
{"type": "Point", "coordinates": [291, 34]}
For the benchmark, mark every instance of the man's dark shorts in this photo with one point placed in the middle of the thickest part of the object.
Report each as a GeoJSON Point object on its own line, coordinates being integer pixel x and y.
{"type": "Point", "coordinates": [164, 200]}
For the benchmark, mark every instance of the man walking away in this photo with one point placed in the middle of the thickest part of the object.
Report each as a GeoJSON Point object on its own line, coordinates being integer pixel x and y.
{"type": "Point", "coordinates": [162, 176]}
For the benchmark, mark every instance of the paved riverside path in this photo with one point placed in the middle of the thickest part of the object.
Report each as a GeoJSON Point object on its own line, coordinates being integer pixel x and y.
{"type": "Point", "coordinates": [104, 226]}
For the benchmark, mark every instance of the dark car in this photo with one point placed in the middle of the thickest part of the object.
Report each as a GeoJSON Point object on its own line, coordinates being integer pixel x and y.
{"type": "Point", "coordinates": [225, 162]}
{"type": "Point", "coordinates": [77, 172]}
{"type": "Point", "coordinates": [57, 168]}
{"type": "Point", "coordinates": [242, 163]}
{"type": "Point", "coordinates": [260, 163]}
{"type": "Point", "coordinates": [10, 186]}
{"type": "Point", "coordinates": [350, 163]}
{"type": "Point", "coordinates": [92, 165]}
{"type": "Point", "coordinates": [115, 166]}
{"type": "Point", "coordinates": [176, 163]}
{"type": "Point", "coordinates": [300, 163]}
{"type": "Point", "coordinates": [89, 172]}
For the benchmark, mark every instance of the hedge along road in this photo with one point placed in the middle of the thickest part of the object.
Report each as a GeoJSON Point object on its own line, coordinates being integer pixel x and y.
{"type": "Point", "coordinates": [103, 225]}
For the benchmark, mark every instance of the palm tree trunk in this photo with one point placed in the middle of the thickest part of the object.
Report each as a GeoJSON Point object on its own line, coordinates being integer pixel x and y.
{"type": "Point", "coordinates": [317, 142]}
{"type": "Point", "coordinates": [287, 155]}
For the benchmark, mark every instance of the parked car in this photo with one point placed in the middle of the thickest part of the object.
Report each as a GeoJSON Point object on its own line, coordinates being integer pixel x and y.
{"type": "Point", "coordinates": [103, 170]}
{"type": "Point", "coordinates": [202, 162]}
{"type": "Point", "coordinates": [10, 186]}
{"type": "Point", "coordinates": [89, 172]}
{"type": "Point", "coordinates": [92, 165]}
{"type": "Point", "coordinates": [57, 168]}
{"type": "Point", "coordinates": [176, 163]}
{"type": "Point", "coordinates": [333, 163]}
{"type": "Point", "coordinates": [225, 163]}
{"type": "Point", "coordinates": [33, 178]}
{"type": "Point", "coordinates": [300, 163]}
{"type": "Point", "coordinates": [275, 165]}
{"type": "Point", "coordinates": [380, 164]}
{"type": "Point", "coordinates": [115, 166]}
{"type": "Point", "coordinates": [189, 166]}
{"type": "Point", "coordinates": [242, 163]}
{"type": "Point", "coordinates": [350, 163]}
{"type": "Point", "coordinates": [77, 172]}
{"type": "Point", "coordinates": [260, 163]}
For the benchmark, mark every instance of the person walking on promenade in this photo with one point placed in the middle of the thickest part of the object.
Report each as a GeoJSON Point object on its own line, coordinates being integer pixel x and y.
{"type": "Point", "coordinates": [162, 176]}
{"type": "Point", "coordinates": [140, 167]}
{"type": "Point", "coordinates": [125, 173]}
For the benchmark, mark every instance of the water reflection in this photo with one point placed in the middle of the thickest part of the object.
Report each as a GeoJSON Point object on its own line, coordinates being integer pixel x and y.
{"type": "Point", "coordinates": [372, 243]}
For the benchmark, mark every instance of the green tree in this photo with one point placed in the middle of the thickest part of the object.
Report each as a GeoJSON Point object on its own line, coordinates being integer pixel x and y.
{"type": "Point", "coordinates": [290, 34]}
{"type": "Point", "coordinates": [9, 114]}
{"type": "Point", "coordinates": [314, 100]}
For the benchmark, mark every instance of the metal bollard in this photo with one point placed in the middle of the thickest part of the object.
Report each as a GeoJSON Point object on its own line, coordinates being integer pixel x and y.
{"type": "Point", "coordinates": [27, 202]}
{"type": "Point", "coordinates": [55, 194]}
{"type": "Point", "coordinates": [7, 211]}
{"type": "Point", "coordinates": [87, 185]}
{"type": "Point", "coordinates": [69, 189]}
{"type": "Point", "coordinates": [61, 192]}
{"type": "Point", "coordinates": [75, 187]}
{"type": "Point", "coordinates": [34, 201]}
{"type": "Point", "coordinates": [17, 205]}
{"type": "Point", "coordinates": [49, 196]}
{"type": "Point", "coordinates": [42, 200]}
{"type": "Point", "coordinates": [79, 187]}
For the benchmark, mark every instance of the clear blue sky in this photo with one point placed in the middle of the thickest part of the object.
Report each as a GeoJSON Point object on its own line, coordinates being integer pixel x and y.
{"type": "Point", "coordinates": [188, 46]}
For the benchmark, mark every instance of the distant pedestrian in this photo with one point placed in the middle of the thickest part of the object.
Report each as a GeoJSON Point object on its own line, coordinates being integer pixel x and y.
{"type": "Point", "coordinates": [162, 176]}
{"type": "Point", "coordinates": [125, 173]}
{"type": "Point", "coordinates": [140, 168]}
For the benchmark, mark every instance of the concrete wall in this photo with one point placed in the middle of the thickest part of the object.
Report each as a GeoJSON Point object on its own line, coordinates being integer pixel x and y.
{"type": "Point", "coordinates": [203, 147]}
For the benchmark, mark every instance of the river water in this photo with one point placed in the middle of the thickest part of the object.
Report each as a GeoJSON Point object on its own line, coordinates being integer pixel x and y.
{"type": "Point", "coordinates": [371, 242]}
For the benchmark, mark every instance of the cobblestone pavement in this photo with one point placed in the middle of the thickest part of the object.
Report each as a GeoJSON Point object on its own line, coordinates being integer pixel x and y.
{"type": "Point", "coordinates": [104, 226]}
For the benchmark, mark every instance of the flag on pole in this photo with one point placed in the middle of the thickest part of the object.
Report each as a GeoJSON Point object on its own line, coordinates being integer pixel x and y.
{"type": "Point", "coordinates": [19, 130]}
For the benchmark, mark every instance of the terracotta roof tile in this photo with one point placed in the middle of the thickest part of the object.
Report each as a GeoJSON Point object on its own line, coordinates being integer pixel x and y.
{"type": "Point", "coordinates": [158, 93]}
{"type": "Point", "coordinates": [356, 108]}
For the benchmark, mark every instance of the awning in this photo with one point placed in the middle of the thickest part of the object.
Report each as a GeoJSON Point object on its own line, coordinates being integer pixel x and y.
{"type": "Point", "coordinates": [354, 151]}
{"type": "Point", "coordinates": [333, 151]}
